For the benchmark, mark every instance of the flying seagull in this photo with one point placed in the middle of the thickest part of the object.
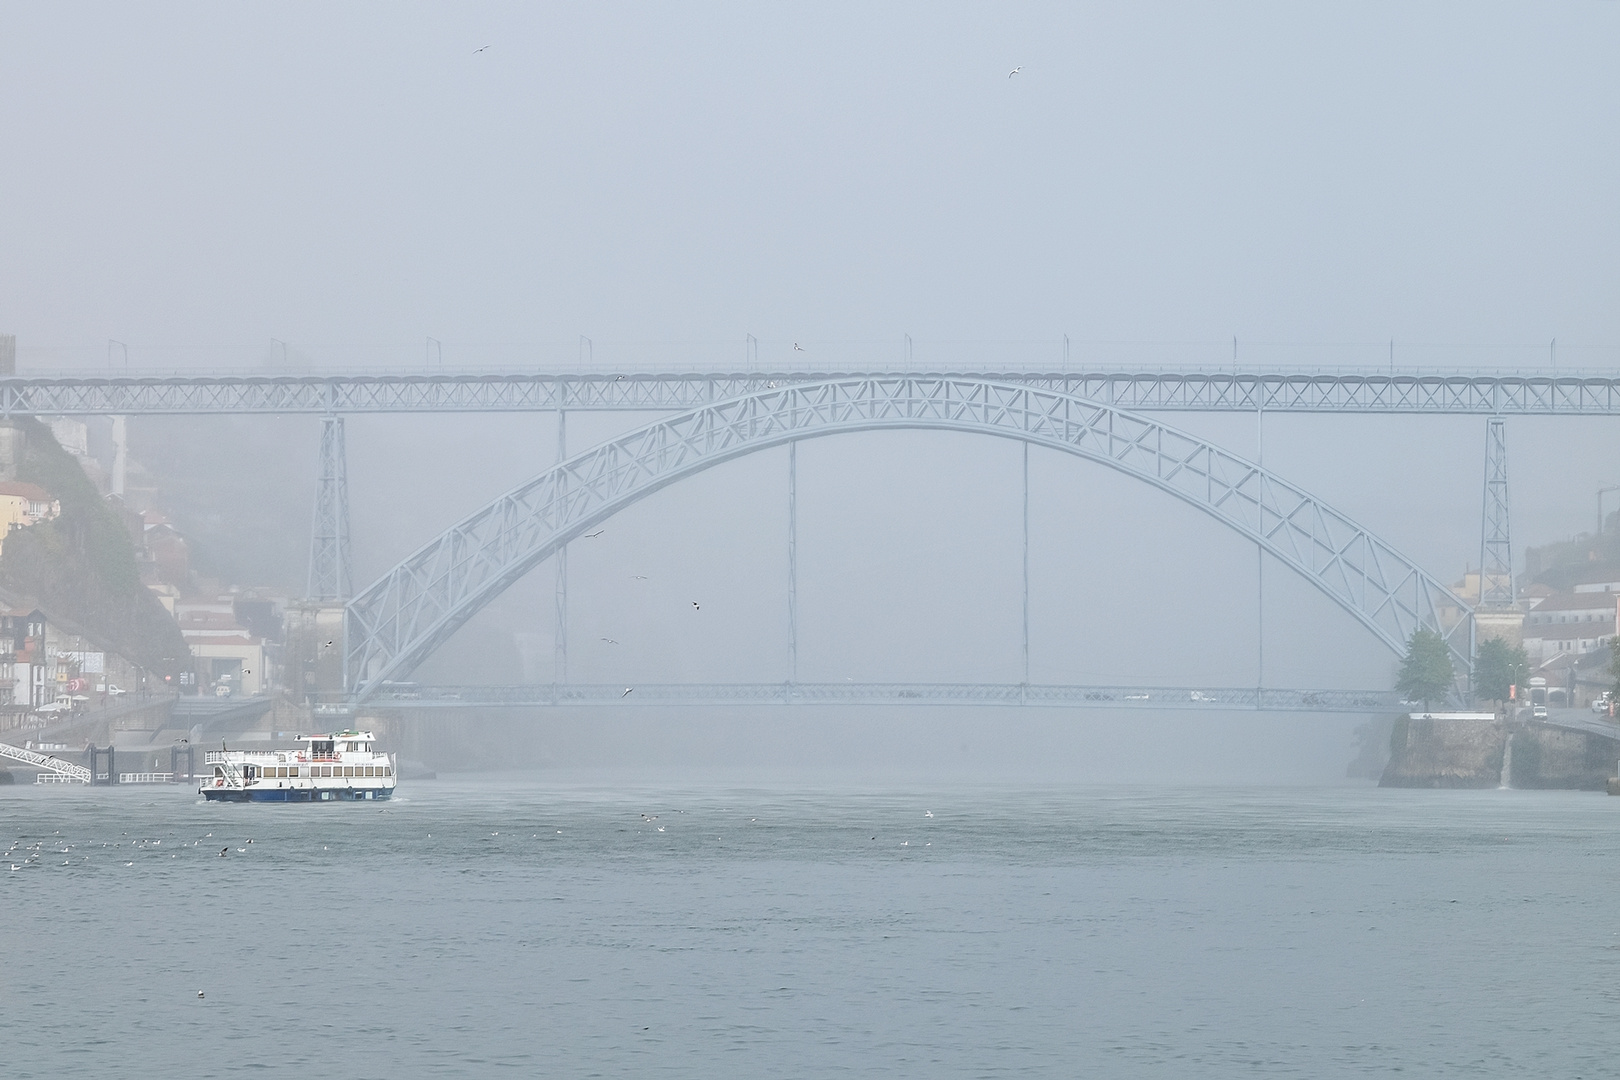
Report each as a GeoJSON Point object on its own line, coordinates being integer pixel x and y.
{"type": "Point", "coordinates": [638, 577]}
{"type": "Point", "coordinates": [1015, 71]}
{"type": "Point", "coordinates": [797, 347]}
{"type": "Point", "coordinates": [610, 641]}
{"type": "Point", "coordinates": [625, 694]}
{"type": "Point", "coordinates": [594, 535]}
{"type": "Point", "coordinates": [477, 51]}
{"type": "Point", "coordinates": [695, 606]}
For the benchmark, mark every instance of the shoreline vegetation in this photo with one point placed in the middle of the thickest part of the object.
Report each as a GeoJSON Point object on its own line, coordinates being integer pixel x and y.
{"type": "Point", "coordinates": [80, 567]}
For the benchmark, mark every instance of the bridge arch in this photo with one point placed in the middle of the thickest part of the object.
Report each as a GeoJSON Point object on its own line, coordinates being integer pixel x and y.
{"type": "Point", "coordinates": [399, 620]}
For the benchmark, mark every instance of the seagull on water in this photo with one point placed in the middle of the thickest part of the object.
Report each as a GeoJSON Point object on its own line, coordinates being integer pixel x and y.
{"type": "Point", "coordinates": [928, 813]}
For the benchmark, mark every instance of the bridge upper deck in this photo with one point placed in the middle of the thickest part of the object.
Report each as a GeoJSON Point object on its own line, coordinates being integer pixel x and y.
{"type": "Point", "coordinates": [1461, 392]}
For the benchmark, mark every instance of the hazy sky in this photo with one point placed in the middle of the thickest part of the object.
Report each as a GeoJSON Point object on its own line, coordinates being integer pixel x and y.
{"type": "Point", "coordinates": [1326, 172]}
{"type": "Point", "coordinates": [197, 180]}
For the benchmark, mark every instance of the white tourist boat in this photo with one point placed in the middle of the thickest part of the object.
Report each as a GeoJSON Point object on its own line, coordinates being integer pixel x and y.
{"type": "Point", "coordinates": [343, 766]}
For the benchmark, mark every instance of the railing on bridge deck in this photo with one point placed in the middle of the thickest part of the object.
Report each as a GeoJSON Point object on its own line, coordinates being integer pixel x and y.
{"type": "Point", "coordinates": [849, 693]}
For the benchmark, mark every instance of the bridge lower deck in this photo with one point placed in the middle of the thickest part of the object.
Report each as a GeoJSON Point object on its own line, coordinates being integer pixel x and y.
{"type": "Point", "coordinates": [852, 693]}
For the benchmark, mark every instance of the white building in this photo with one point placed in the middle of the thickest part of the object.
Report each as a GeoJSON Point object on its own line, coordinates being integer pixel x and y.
{"type": "Point", "coordinates": [227, 654]}
{"type": "Point", "coordinates": [1574, 623]}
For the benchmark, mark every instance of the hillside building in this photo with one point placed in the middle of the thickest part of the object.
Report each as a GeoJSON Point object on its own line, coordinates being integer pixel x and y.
{"type": "Point", "coordinates": [1573, 623]}
{"type": "Point", "coordinates": [228, 656]}
{"type": "Point", "coordinates": [23, 504]}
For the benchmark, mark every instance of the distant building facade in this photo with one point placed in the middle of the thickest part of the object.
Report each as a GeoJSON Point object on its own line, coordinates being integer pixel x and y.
{"type": "Point", "coordinates": [23, 504]}
{"type": "Point", "coordinates": [228, 654]}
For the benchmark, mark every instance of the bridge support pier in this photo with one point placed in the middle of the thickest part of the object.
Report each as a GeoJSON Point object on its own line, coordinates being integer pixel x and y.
{"type": "Point", "coordinates": [1026, 566]}
{"type": "Point", "coordinates": [1496, 586]}
{"type": "Point", "coordinates": [176, 752]}
{"type": "Point", "coordinates": [93, 755]}
{"type": "Point", "coordinates": [793, 562]}
{"type": "Point", "coordinates": [329, 577]}
{"type": "Point", "coordinates": [1497, 613]}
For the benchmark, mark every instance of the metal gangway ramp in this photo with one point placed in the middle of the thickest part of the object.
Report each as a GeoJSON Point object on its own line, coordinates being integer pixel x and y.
{"type": "Point", "coordinates": [57, 770]}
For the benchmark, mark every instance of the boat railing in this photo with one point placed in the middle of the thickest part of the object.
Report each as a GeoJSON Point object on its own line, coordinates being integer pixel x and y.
{"type": "Point", "coordinates": [221, 757]}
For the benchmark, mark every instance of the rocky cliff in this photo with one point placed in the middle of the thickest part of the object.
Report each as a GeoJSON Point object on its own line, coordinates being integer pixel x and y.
{"type": "Point", "coordinates": [1440, 752]}
{"type": "Point", "coordinates": [1430, 752]}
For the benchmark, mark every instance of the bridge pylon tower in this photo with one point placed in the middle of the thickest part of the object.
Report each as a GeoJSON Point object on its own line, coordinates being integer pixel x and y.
{"type": "Point", "coordinates": [329, 576]}
{"type": "Point", "coordinates": [1496, 586]}
{"type": "Point", "coordinates": [1497, 614]}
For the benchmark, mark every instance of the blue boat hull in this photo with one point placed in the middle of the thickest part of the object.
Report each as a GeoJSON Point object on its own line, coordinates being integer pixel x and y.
{"type": "Point", "coordinates": [297, 795]}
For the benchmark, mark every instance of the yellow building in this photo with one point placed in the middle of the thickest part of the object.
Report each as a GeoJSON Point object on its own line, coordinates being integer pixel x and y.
{"type": "Point", "coordinates": [23, 504]}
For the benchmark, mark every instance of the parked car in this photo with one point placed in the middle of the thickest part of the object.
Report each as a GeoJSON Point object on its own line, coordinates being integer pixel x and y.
{"type": "Point", "coordinates": [115, 690]}
{"type": "Point", "coordinates": [222, 690]}
{"type": "Point", "coordinates": [1601, 704]}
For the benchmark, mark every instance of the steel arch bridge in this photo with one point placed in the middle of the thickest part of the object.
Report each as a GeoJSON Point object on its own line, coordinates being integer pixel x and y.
{"type": "Point", "coordinates": [397, 622]}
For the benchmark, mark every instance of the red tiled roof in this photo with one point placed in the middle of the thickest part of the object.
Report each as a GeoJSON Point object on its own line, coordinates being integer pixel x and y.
{"type": "Point", "coordinates": [1588, 601]}
{"type": "Point", "coordinates": [25, 490]}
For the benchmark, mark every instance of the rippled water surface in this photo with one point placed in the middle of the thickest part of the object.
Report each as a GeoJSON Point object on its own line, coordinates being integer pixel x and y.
{"type": "Point", "coordinates": [470, 928]}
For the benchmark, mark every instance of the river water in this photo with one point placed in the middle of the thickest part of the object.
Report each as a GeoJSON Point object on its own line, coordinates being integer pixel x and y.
{"type": "Point", "coordinates": [522, 926]}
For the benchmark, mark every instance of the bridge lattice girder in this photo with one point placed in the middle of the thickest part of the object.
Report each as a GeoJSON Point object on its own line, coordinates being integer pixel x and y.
{"type": "Point", "coordinates": [403, 617]}
{"type": "Point", "coordinates": [1480, 393]}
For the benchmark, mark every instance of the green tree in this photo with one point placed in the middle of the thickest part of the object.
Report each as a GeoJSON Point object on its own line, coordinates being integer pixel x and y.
{"type": "Point", "coordinates": [1498, 666]}
{"type": "Point", "coordinates": [1426, 673]}
{"type": "Point", "coordinates": [1614, 668]}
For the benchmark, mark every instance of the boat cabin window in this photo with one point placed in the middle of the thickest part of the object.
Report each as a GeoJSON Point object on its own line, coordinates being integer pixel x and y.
{"type": "Point", "coordinates": [321, 747]}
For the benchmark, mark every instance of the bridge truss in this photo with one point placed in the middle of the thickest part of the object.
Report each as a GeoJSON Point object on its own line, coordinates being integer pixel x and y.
{"type": "Point", "coordinates": [1389, 605]}
{"type": "Point", "coordinates": [393, 625]}
{"type": "Point", "coordinates": [1480, 393]}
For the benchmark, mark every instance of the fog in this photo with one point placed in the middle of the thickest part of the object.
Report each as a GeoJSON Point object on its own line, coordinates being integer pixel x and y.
{"type": "Point", "coordinates": [272, 188]}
